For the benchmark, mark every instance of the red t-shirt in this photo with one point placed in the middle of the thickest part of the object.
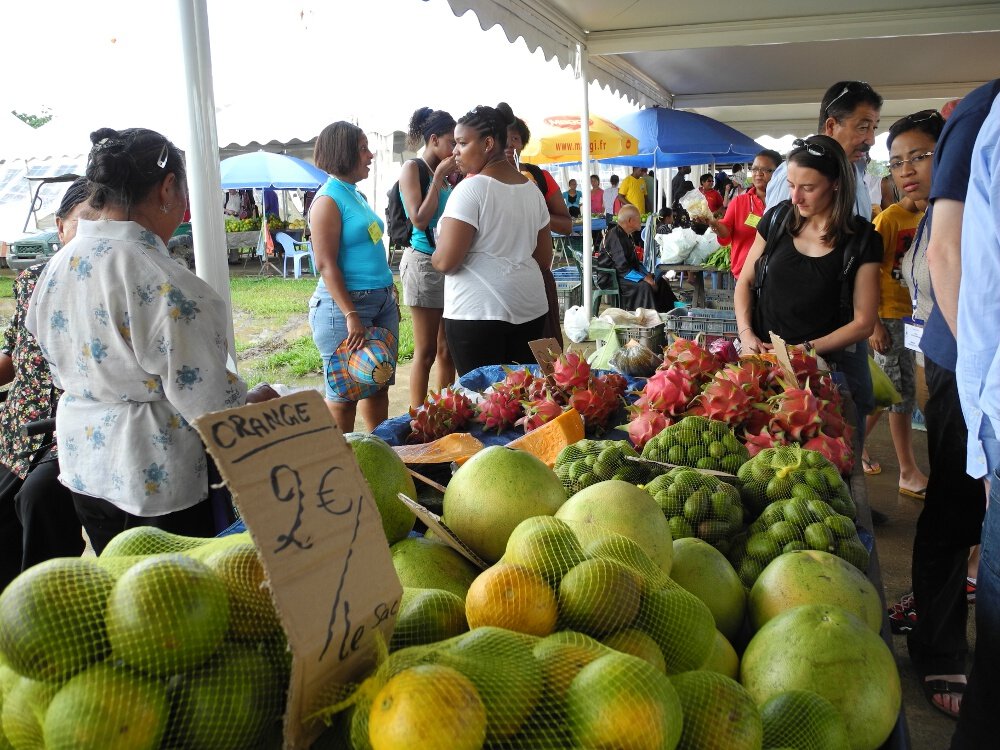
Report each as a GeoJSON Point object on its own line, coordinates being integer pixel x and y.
{"type": "Point", "coordinates": [714, 199]}
{"type": "Point", "coordinates": [741, 234]}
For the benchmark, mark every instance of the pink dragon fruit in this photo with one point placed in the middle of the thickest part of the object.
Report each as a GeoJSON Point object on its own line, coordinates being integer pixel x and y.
{"type": "Point", "coordinates": [668, 391]}
{"type": "Point", "coordinates": [439, 414]}
{"type": "Point", "coordinates": [724, 351]}
{"type": "Point", "coordinates": [725, 401]}
{"type": "Point", "coordinates": [499, 410]}
{"type": "Point", "coordinates": [518, 382]}
{"type": "Point", "coordinates": [688, 355]}
{"type": "Point", "coordinates": [459, 406]}
{"type": "Point", "coordinates": [644, 425]}
{"type": "Point", "coordinates": [571, 372]}
{"type": "Point", "coordinates": [595, 404]}
{"type": "Point", "coordinates": [758, 441]}
{"type": "Point", "coordinates": [795, 412]}
{"type": "Point", "coordinates": [804, 364]}
{"type": "Point", "coordinates": [837, 449]}
{"type": "Point", "coordinates": [617, 382]}
{"type": "Point", "coordinates": [537, 413]}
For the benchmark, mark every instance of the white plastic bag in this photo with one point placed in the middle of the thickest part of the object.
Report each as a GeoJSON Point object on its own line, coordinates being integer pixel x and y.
{"type": "Point", "coordinates": [676, 246]}
{"type": "Point", "coordinates": [706, 244]}
{"type": "Point", "coordinates": [695, 204]}
{"type": "Point", "coordinates": [576, 324]}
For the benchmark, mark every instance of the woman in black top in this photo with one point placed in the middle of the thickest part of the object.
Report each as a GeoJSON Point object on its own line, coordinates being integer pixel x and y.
{"type": "Point", "coordinates": [816, 282]}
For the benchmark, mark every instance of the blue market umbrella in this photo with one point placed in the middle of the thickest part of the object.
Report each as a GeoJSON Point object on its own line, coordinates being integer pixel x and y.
{"type": "Point", "coordinates": [674, 138]}
{"type": "Point", "coordinates": [263, 169]}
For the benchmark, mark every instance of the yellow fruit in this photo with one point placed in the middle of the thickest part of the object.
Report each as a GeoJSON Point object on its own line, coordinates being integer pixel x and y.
{"type": "Point", "coordinates": [801, 718]}
{"type": "Point", "coordinates": [621, 702]}
{"type": "Point", "coordinates": [637, 643]}
{"type": "Point", "coordinates": [599, 596]}
{"type": "Point", "coordinates": [562, 656]}
{"type": "Point", "coordinates": [23, 712]}
{"type": "Point", "coordinates": [681, 625]}
{"type": "Point", "coordinates": [428, 707]}
{"type": "Point", "coordinates": [149, 540]}
{"type": "Point", "coordinates": [705, 572]}
{"type": "Point", "coordinates": [546, 545]}
{"type": "Point", "coordinates": [512, 597]}
{"type": "Point", "coordinates": [252, 613]}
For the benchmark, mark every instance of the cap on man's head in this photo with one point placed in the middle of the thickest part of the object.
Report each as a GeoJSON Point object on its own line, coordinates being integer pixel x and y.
{"type": "Point", "coordinates": [843, 97]}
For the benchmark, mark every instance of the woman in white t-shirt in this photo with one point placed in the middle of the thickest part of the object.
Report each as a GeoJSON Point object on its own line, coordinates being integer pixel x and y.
{"type": "Point", "coordinates": [494, 239]}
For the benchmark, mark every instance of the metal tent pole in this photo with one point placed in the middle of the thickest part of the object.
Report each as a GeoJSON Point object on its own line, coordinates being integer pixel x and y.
{"type": "Point", "coordinates": [588, 243]}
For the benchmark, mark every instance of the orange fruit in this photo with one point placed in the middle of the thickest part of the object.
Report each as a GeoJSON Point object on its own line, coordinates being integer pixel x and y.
{"type": "Point", "coordinates": [512, 597]}
{"type": "Point", "coordinates": [427, 707]}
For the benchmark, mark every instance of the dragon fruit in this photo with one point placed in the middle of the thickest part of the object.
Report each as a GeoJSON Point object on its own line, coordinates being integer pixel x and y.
{"type": "Point", "coordinates": [668, 391]}
{"type": "Point", "coordinates": [837, 449]}
{"type": "Point", "coordinates": [644, 425]}
{"type": "Point", "coordinates": [796, 412]}
{"type": "Point", "coordinates": [571, 372]}
{"type": "Point", "coordinates": [595, 403]}
{"type": "Point", "coordinates": [804, 364]}
{"type": "Point", "coordinates": [689, 356]}
{"type": "Point", "coordinates": [518, 382]}
{"type": "Point", "coordinates": [758, 441]}
{"type": "Point", "coordinates": [724, 400]}
{"type": "Point", "coordinates": [617, 382]}
{"type": "Point", "coordinates": [499, 410]}
{"type": "Point", "coordinates": [537, 413]}
{"type": "Point", "coordinates": [440, 414]}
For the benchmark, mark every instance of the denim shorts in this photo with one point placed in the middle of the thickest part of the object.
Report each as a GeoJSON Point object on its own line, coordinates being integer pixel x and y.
{"type": "Point", "coordinates": [376, 307]}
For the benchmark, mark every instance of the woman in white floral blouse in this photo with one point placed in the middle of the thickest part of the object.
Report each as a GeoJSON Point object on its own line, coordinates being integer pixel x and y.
{"type": "Point", "coordinates": [139, 346]}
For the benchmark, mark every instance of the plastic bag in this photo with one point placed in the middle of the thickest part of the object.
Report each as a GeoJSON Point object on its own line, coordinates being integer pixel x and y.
{"type": "Point", "coordinates": [886, 394]}
{"type": "Point", "coordinates": [576, 324]}
{"type": "Point", "coordinates": [695, 204]}
{"type": "Point", "coordinates": [706, 244]}
{"type": "Point", "coordinates": [676, 246]}
{"type": "Point", "coordinates": [601, 330]}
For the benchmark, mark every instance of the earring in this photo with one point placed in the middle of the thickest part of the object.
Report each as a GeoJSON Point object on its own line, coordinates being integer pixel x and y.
{"type": "Point", "coordinates": [164, 209]}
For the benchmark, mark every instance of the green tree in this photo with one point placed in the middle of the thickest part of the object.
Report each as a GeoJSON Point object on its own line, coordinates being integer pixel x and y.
{"type": "Point", "coordinates": [35, 121]}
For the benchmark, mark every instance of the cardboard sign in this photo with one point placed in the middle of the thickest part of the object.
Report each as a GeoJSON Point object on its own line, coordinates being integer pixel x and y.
{"type": "Point", "coordinates": [546, 351]}
{"type": "Point", "coordinates": [433, 521]}
{"type": "Point", "coordinates": [319, 534]}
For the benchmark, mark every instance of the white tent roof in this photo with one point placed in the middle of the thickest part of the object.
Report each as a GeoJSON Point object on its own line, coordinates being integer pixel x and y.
{"type": "Point", "coordinates": [762, 67]}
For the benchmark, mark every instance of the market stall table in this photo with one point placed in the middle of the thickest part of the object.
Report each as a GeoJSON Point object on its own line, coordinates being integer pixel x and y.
{"type": "Point", "coordinates": [697, 277]}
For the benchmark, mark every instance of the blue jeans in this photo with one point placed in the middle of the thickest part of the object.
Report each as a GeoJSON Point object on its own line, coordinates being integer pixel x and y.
{"type": "Point", "coordinates": [976, 727]}
{"type": "Point", "coordinates": [375, 307]}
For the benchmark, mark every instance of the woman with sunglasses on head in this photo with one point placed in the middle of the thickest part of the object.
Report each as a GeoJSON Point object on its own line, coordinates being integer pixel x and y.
{"type": "Point", "coordinates": [494, 242]}
{"type": "Point", "coordinates": [139, 346]}
{"type": "Point", "coordinates": [812, 273]}
{"type": "Point", "coordinates": [739, 226]}
{"type": "Point", "coordinates": [911, 149]}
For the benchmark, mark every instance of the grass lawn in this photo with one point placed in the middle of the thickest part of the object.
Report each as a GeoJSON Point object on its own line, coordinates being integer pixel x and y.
{"type": "Point", "coordinates": [270, 344]}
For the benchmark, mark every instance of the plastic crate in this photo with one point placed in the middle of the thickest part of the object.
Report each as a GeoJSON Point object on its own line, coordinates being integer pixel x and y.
{"type": "Point", "coordinates": [566, 273]}
{"type": "Point", "coordinates": [715, 323]}
{"type": "Point", "coordinates": [652, 337]}
{"type": "Point", "coordinates": [570, 293]}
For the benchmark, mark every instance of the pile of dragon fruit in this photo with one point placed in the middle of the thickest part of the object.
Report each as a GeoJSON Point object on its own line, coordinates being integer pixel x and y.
{"type": "Point", "coordinates": [524, 400]}
{"type": "Point", "coordinates": [765, 406]}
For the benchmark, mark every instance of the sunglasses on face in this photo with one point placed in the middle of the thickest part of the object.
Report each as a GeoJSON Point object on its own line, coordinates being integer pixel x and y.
{"type": "Point", "coordinates": [761, 170]}
{"type": "Point", "coordinates": [852, 86]}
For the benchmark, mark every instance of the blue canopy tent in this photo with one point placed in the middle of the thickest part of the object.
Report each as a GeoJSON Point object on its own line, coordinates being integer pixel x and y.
{"type": "Point", "coordinates": [674, 138]}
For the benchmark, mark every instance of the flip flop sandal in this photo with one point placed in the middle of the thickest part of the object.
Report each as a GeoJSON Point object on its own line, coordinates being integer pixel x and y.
{"type": "Point", "coordinates": [942, 687]}
{"type": "Point", "coordinates": [901, 621]}
{"type": "Point", "coordinates": [871, 468]}
{"type": "Point", "coordinates": [970, 590]}
{"type": "Point", "coordinates": [916, 494]}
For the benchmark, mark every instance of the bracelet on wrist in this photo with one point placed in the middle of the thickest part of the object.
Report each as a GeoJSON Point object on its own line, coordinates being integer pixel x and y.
{"type": "Point", "coordinates": [743, 330]}
{"type": "Point", "coordinates": [350, 312]}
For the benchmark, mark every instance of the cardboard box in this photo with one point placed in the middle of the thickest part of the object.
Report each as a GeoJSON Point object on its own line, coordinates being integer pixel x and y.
{"type": "Point", "coordinates": [319, 534]}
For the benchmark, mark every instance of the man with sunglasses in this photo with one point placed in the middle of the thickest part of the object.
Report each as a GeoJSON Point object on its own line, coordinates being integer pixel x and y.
{"type": "Point", "coordinates": [849, 113]}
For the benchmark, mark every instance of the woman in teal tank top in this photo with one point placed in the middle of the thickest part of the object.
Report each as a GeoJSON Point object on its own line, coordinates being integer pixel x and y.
{"type": "Point", "coordinates": [355, 290]}
{"type": "Point", "coordinates": [423, 287]}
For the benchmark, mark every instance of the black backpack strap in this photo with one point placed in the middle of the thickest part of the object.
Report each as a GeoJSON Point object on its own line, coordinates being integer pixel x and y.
{"type": "Point", "coordinates": [863, 230]}
{"type": "Point", "coordinates": [426, 175]}
{"type": "Point", "coordinates": [776, 229]}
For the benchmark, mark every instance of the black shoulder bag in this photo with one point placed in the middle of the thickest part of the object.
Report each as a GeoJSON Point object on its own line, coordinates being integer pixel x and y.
{"type": "Point", "coordinates": [778, 227]}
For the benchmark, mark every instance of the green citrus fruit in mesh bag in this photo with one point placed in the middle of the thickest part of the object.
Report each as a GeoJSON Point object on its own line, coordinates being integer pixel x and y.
{"type": "Point", "coordinates": [252, 613]}
{"type": "Point", "coordinates": [636, 643]}
{"type": "Point", "coordinates": [719, 714]}
{"type": "Point", "coordinates": [621, 701]}
{"type": "Point", "coordinates": [812, 577]}
{"type": "Point", "coordinates": [618, 507]}
{"type": "Point", "coordinates": [723, 658]}
{"type": "Point", "coordinates": [831, 652]}
{"type": "Point", "coordinates": [588, 462]}
{"type": "Point", "coordinates": [24, 709]}
{"type": "Point", "coordinates": [512, 597]}
{"type": "Point", "coordinates": [598, 597]}
{"type": "Point", "coordinates": [699, 442]}
{"type": "Point", "coordinates": [430, 563]}
{"type": "Point", "coordinates": [792, 472]}
{"type": "Point", "coordinates": [711, 509]}
{"type": "Point", "coordinates": [803, 720]}
{"type": "Point", "coordinates": [426, 708]}
{"type": "Point", "coordinates": [230, 702]}
{"type": "Point", "coordinates": [52, 621]}
{"type": "Point", "coordinates": [108, 708]}
{"type": "Point", "coordinates": [704, 571]}
{"type": "Point", "coordinates": [427, 616]}
{"type": "Point", "coordinates": [167, 614]}
{"type": "Point", "coordinates": [681, 625]}
{"type": "Point", "coordinates": [546, 545]}
{"type": "Point", "coordinates": [149, 540]}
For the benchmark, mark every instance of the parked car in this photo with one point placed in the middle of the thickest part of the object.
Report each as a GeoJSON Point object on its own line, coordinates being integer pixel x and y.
{"type": "Point", "coordinates": [31, 250]}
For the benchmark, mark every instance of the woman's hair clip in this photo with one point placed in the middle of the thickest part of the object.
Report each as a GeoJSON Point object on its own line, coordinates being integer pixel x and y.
{"type": "Point", "coordinates": [161, 160]}
{"type": "Point", "coordinates": [108, 143]}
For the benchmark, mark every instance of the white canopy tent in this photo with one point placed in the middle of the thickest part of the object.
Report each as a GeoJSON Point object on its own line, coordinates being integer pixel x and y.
{"type": "Point", "coordinates": [759, 67]}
